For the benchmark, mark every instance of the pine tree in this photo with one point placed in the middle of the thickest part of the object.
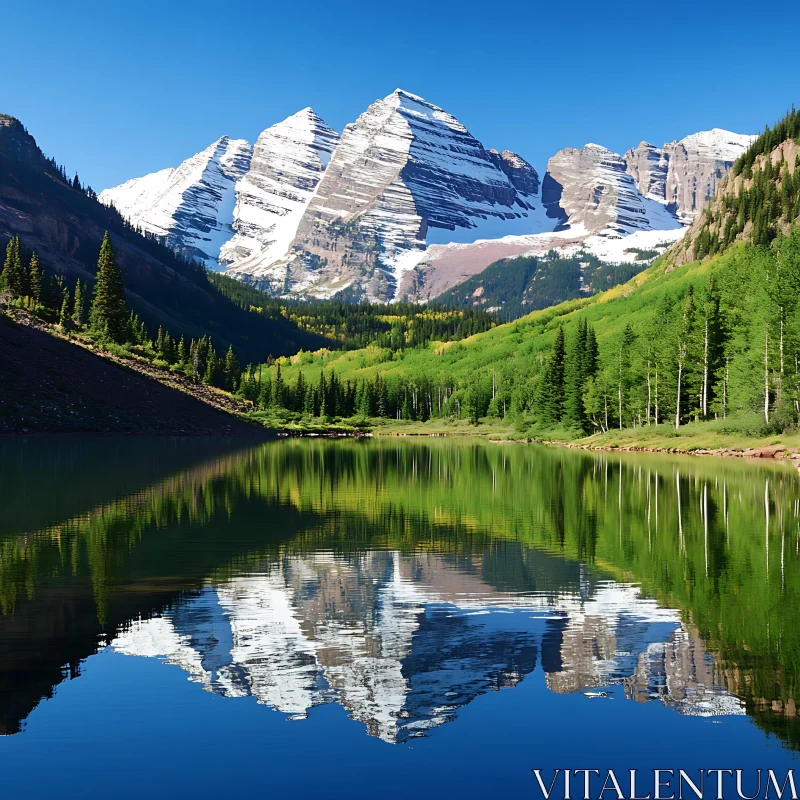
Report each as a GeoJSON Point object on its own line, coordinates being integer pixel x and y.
{"type": "Point", "coordinates": [79, 305]}
{"type": "Point", "coordinates": [64, 314]}
{"type": "Point", "coordinates": [550, 401]}
{"type": "Point", "coordinates": [11, 279]}
{"type": "Point", "coordinates": [233, 372]}
{"type": "Point", "coordinates": [35, 273]}
{"type": "Point", "coordinates": [578, 369]}
{"type": "Point", "coordinates": [624, 373]}
{"type": "Point", "coordinates": [211, 368]}
{"type": "Point", "coordinates": [181, 355]}
{"type": "Point", "coordinates": [109, 312]}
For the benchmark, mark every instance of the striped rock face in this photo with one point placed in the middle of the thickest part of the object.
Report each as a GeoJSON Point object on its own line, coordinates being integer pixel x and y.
{"type": "Point", "coordinates": [288, 162]}
{"type": "Point", "coordinates": [405, 174]}
{"type": "Point", "coordinates": [684, 175]}
{"type": "Point", "coordinates": [591, 190]}
{"type": "Point", "coordinates": [190, 206]}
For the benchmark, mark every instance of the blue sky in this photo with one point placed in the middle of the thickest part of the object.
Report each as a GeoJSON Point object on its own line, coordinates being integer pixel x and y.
{"type": "Point", "coordinates": [118, 89]}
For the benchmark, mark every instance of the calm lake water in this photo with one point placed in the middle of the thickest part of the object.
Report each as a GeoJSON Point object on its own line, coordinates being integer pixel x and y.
{"type": "Point", "coordinates": [387, 618]}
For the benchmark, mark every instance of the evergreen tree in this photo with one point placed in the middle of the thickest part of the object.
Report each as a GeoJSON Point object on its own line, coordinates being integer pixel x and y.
{"type": "Point", "coordinates": [12, 279]}
{"type": "Point", "coordinates": [550, 402]}
{"type": "Point", "coordinates": [181, 354]}
{"type": "Point", "coordinates": [625, 378]}
{"type": "Point", "coordinates": [64, 313]}
{"type": "Point", "coordinates": [233, 373]}
{"type": "Point", "coordinates": [109, 312]}
{"type": "Point", "coordinates": [210, 376]}
{"type": "Point", "coordinates": [79, 305]}
{"type": "Point", "coordinates": [580, 366]}
{"type": "Point", "coordinates": [35, 273]}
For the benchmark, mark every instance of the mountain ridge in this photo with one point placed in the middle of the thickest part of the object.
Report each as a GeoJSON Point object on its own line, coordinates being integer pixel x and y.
{"type": "Point", "coordinates": [407, 179]}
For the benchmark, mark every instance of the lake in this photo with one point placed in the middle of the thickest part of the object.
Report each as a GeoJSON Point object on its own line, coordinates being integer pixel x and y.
{"type": "Point", "coordinates": [388, 617]}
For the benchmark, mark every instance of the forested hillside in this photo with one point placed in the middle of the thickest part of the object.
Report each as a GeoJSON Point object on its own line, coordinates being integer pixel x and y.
{"type": "Point", "coordinates": [715, 340]}
{"type": "Point", "coordinates": [351, 325]}
{"type": "Point", "coordinates": [513, 287]}
{"type": "Point", "coordinates": [758, 201]}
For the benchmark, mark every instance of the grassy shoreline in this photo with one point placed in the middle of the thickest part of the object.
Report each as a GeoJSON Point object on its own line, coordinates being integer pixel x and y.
{"type": "Point", "coordinates": [699, 438]}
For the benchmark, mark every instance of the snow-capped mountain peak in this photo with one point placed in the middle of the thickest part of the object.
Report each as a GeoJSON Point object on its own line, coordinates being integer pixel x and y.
{"type": "Point", "coordinates": [406, 173]}
{"type": "Point", "coordinates": [288, 161]}
{"type": "Point", "coordinates": [718, 143]}
{"type": "Point", "coordinates": [191, 205]}
{"type": "Point", "coordinates": [683, 175]}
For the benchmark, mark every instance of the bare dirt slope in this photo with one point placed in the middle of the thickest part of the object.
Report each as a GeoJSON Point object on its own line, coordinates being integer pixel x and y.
{"type": "Point", "coordinates": [50, 385]}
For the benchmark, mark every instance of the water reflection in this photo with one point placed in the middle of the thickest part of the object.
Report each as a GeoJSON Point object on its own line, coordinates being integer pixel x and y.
{"type": "Point", "coordinates": [403, 641]}
{"type": "Point", "coordinates": [402, 581]}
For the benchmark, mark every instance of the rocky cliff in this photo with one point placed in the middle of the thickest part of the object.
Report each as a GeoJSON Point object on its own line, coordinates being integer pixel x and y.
{"type": "Point", "coordinates": [720, 221]}
{"type": "Point", "coordinates": [684, 175]}
{"type": "Point", "coordinates": [591, 189]}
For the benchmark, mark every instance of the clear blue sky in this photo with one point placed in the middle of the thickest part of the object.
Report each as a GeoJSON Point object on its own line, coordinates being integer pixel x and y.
{"type": "Point", "coordinates": [117, 89]}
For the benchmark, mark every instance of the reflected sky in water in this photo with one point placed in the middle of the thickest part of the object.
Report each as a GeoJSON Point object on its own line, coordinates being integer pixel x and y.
{"type": "Point", "coordinates": [435, 616]}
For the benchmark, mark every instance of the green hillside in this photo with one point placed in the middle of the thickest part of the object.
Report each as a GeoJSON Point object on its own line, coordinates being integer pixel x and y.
{"type": "Point", "coordinates": [712, 340]}
{"type": "Point", "coordinates": [513, 287]}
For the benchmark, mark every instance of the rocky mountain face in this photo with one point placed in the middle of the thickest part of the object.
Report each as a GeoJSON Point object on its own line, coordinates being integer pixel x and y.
{"type": "Point", "coordinates": [407, 203]}
{"type": "Point", "coordinates": [591, 189]}
{"type": "Point", "coordinates": [684, 175]}
{"type": "Point", "coordinates": [190, 206]}
{"type": "Point", "coordinates": [785, 156]}
{"type": "Point", "coordinates": [288, 161]}
{"type": "Point", "coordinates": [404, 174]}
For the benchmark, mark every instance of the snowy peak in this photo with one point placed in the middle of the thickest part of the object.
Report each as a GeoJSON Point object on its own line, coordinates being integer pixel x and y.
{"type": "Point", "coordinates": [591, 190]}
{"type": "Point", "coordinates": [718, 144]}
{"type": "Point", "coordinates": [288, 161]}
{"type": "Point", "coordinates": [406, 173]}
{"type": "Point", "coordinates": [684, 174]}
{"type": "Point", "coordinates": [191, 206]}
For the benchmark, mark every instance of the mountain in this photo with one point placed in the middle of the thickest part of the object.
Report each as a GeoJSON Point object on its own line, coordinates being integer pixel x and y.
{"type": "Point", "coordinates": [684, 175]}
{"type": "Point", "coordinates": [405, 173]}
{"type": "Point", "coordinates": [407, 203]}
{"type": "Point", "coordinates": [190, 206]}
{"type": "Point", "coordinates": [591, 190]}
{"type": "Point", "coordinates": [599, 203]}
{"type": "Point", "coordinates": [65, 225]}
{"type": "Point", "coordinates": [288, 161]}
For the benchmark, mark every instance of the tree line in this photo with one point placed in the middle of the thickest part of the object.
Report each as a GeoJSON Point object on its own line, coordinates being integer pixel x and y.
{"type": "Point", "coordinates": [354, 325]}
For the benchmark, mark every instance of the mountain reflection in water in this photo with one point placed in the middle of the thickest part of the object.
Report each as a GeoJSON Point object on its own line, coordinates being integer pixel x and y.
{"type": "Point", "coordinates": [402, 581]}
{"type": "Point", "coordinates": [402, 641]}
